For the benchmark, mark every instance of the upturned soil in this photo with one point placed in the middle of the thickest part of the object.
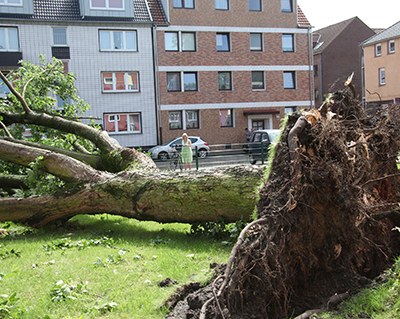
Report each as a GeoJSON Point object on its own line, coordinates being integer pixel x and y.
{"type": "Point", "coordinates": [326, 219]}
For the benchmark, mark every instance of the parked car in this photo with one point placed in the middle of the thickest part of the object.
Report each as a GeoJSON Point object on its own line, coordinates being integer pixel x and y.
{"type": "Point", "coordinates": [259, 144]}
{"type": "Point", "coordinates": [166, 151]}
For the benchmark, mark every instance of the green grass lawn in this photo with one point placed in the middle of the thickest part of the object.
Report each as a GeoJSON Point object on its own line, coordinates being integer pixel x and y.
{"type": "Point", "coordinates": [99, 267]}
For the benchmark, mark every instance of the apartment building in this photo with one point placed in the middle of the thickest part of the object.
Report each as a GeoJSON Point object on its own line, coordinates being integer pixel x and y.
{"type": "Point", "coordinates": [227, 65]}
{"type": "Point", "coordinates": [337, 54]}
{"type": "Point", "coordinates": [108, 44]}
{"type": "Point", "coordinates": [381, 64]}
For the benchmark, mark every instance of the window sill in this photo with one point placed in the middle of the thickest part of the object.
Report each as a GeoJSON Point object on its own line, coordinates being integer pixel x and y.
{"type": "Point", "coordinates": [124, 133]}
{"type": "Point", "coordinates": [110, 92]}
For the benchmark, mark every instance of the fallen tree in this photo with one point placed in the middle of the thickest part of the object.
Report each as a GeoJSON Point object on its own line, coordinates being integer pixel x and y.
{"type": "Point", "coordinates": [327, 219]}
{"type": "Point", "coordinates": [326, 214]}
{"type": "Point", "coordinates": [74, 168]}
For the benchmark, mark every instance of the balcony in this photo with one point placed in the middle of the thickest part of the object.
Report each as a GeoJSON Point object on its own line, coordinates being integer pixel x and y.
{"type": "Point", "coordinates": [10, 59]}
{"type": "Point", "coordinates": [61, 53]}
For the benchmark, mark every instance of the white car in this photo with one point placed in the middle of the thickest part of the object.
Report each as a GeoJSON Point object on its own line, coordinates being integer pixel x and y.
{"type": "Point", "coordinates": [165, 151]}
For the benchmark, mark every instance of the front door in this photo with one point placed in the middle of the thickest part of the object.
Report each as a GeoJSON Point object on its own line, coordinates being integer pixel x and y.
{"type": "Point", "coordinates": [257, 124]}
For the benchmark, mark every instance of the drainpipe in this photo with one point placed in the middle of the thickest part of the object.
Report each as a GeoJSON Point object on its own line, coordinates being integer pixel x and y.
{"type": "Point", "coordinates": [311, 66]}
{"type": "Point", "coordinates": [156, 83]}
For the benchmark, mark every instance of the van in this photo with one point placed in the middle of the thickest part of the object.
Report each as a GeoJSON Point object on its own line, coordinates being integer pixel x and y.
{"type": "Point", "coordinates": [259, 145]}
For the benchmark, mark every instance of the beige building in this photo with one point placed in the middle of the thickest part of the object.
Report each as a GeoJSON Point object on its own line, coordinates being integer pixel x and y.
{"type": "Point", "coordinates": [381, 54]}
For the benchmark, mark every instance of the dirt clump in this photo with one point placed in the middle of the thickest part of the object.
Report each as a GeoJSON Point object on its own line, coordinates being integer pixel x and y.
{"type": "Point", "coordinates": [326, 217]}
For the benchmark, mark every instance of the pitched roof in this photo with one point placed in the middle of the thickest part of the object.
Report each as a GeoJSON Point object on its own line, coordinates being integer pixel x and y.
{"type": "Point", "coordinates": [157, 12]}
{"type": "Point", "coordinates": [302, 20]}
{"type": "Point", "coordinates": [69, 10]}
{"type": "Point", "coordinates": [387, 34]}
{"type": "Point", "coordinates": [328, 34]}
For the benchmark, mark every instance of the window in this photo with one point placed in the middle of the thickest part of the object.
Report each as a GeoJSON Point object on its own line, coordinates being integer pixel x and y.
{"type": "Point", "coordinates": [175, 120]}
{"type": "Point", "coordinates": [222, 4]}
{"type": "Point", "coordinates": [315, 70]}
{"type": "Point", "coordinates": [120, 81]}
{"type": "Point", "coordinates": [11, 2]}
{"type": "Point", "coordinates": [123, 122]}
{"type": "Point", "coordinates": [391, 46]}
{"type": "Point", "coordinates": [288, 42]}
{"type": "Point", "coordinates": [224, 81]}
{"type": "Point", "coordinates": [192, 119]}
{"type": "Point", "coordinates": [118, 40]}
{"type": "Point", "coordinates": [257, 80]}
{"type": "Point", "coordinates": [254, 5]}
{"type": "Point", "coordinates": [378, 49]}
{"type": "Point", "coordinates": [107, 4]}
{"type": "Point", "coordinates": [171, 41]}
{"type": "Point", "coordinates": [59, 36]}
{"type": "Point", "coordinates": [180, 41]}
{"type": "Point", "coordinates": [287, 5]}
{"type": "Point", "coordinates": [190, 81]}
{"type": "Point", "coordinates": [256, 43]}
{"type": "Point", "coordinates": [382, 76]}
{"type": "Point", "coordinates": [187, 4]}
{"type": "Point", "coordinates": [188, 40]}
{"type": "Point", "coordinates": [223, 44]}
{"type": "Point", "coordinates": [9, 39]}
{"type": "Point", "coordinates": [289, 80]}
{"type": "Point", "coordinates": [174, 80]}
{"type": "Point", "coordinates": [226, 118]}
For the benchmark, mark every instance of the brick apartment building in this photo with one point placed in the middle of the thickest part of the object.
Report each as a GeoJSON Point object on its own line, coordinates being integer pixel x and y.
{"type": "Point", "coordinates": [227, 65]}
{"type": "Point", "coordinates": [381, 57]}
{"type": "Point", "coordinates": [337, 54]}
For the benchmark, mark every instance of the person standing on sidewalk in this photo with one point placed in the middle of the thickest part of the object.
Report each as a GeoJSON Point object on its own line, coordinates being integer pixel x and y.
{"type": "Point", "coordinates": [186, 153]}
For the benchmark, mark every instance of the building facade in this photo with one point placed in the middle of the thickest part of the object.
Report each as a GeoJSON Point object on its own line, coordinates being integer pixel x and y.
{"type": "Point", "coordinates": [107, 44]}
{"type": "Point", "coordinates": [337, 54]}
{"type": "Point", "coordinates": [227, 65]}
{"type": "Point", "coordinates": [381, 58]}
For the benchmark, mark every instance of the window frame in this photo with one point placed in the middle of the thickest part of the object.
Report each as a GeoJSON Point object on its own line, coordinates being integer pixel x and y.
{"type": "Point", "coordinates": [7, 39]}
{"type": "Point", "coordinates": [117, 118]}
{"type": "Point", "coordinates": [391, 50]}
{"type": "Point", "coordinates": [293, 79]}
{"type": "Point", "coordinates": [283, 6]}
{"type": "Point", "coordinates": [114, 82]}
{"type": "Point", "coordinates": [230, 115]}
{"type": "Point", "coordinates": [180, 42]}
{"type": "Point", "coordinates": [230, 81]}
{"type": "Point", "coordinates": [263, 81]}
{"type": "Point", "coordinates": [54, 37]}
{"type": "Point", "coordinates": [182, 81]}
{"type": "Point", "coordinates": [226, 3]}
{"type": "Point", "coordinates": [196, 119]}
{"type": "Point", "coordinates": [261, 48]}
{"type": "Point", "coordinates": [225, 34]}
{"type": "Point", "coordinates": [293, 44]}
{"type": "Point", "coordinates": [382, 76]}
{"type": "Point", "coordinates": [378, 49]}
{"type": "Point", "coordinates": [183, 4]}
{"type": "Point", "coordinates": [179, 121]}
{"type": "Point", "coordinates": [184, 85]}
{"type": "Point", "coordinates": [250, 3]}
{"type": "Point", "coordinates": [6, 3]}
{"type": "Point", "coordinates": [107, 6]}
{"type": "Point", "coordinates": [111, 33]}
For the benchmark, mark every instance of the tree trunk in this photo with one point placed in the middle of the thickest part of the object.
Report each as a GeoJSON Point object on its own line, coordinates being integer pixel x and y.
{"type": "Point", "coordinates": [226, 195]}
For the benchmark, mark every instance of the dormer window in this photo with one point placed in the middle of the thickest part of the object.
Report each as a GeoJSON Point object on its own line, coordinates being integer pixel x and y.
{"type": "Point", "coordinates": [106, 4]}
{"type": "Point", "coordinates": [10, 2]}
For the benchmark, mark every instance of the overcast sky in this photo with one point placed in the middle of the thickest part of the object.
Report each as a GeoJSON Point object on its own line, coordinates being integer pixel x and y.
{"type": "Point", "coordinates": [375, 14]}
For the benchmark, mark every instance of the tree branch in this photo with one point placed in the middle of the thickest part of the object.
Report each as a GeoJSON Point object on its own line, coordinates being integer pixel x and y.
{"type": "Point", "coordinates": [99, 138]}
{"type": "Point", "coordinates": [12, 181]}
{"type": "Point", "coordinates": [59, 165]}
{"type": "Point", "coordinates": [15, 93]}
{"type": "Point", "coordinates": [91, 159]}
